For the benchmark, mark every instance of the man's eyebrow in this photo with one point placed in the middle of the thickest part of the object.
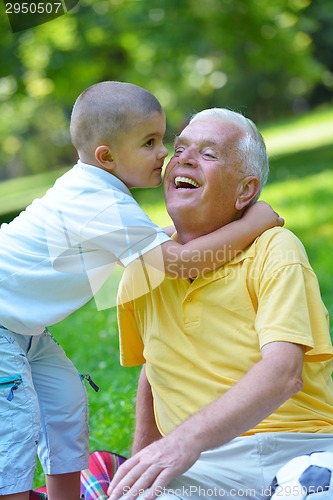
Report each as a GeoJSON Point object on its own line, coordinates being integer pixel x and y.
{"type": "Point", "coordinates": [202, 142]}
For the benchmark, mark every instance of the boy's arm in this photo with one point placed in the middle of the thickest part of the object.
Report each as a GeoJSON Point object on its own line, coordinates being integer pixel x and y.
{"type": "Point", "coordinates": [169, 230]}
{"type": "Point", "coordinates": [213, 250]}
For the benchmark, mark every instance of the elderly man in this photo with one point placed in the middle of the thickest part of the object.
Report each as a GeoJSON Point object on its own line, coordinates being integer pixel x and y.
{"type": "Point", "coordinates": [236, 376]}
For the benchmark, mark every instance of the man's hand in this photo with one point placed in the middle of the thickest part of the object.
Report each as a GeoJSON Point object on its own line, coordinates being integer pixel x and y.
{"type": "Point", "coordinates": [153, 468]}
{"type": "Point", "coordinates": [262, 216]}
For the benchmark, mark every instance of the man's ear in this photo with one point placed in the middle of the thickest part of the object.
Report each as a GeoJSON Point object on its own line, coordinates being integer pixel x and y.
{"type": "Point", "coordinates": [103, 155]}
{"type": "Point", "coordinates": [248, 190]}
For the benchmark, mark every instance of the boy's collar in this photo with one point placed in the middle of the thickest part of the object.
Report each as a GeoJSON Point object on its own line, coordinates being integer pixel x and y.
{"type": "Point", "coordinates": [107, 176]}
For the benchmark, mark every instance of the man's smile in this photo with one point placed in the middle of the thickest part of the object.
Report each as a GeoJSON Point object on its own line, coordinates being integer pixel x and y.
{"type": "Point", "coordinates": [185, 183]}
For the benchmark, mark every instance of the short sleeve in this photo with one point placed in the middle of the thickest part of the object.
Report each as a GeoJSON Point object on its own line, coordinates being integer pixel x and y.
{"type": "Point", "coordinates": [131, 344]}
{"type": "Point", "coordinates": [290, 307]}
{"type": "Point", "coordinates": [123, 229]}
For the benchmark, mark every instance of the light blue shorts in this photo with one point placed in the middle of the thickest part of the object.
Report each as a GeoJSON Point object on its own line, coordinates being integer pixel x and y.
{"type": "Point", "coordinates": [244, 468]}
{"type": "Point", "coordinates": [43, 409]}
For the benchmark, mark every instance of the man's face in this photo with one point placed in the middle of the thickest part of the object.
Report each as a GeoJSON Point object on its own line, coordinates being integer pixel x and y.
{"type": "Point", "coordinates": [202, 179]}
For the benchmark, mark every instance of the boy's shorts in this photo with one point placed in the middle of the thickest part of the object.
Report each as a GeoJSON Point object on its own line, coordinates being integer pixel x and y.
{"type": "Point", "coordinates": [43, 409]}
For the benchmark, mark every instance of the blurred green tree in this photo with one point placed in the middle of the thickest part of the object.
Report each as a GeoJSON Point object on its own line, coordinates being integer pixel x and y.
{"type": "Point", "coordinates": [257, 57]}
{"type": "Point", "coordinates": [319, 23]}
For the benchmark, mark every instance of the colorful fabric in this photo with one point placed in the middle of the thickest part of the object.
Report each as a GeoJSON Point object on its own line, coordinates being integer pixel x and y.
{"type": "Point", "coordinates": [94, 480]}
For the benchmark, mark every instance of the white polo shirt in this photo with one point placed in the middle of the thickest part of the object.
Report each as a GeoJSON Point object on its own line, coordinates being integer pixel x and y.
{"type": "Point", "coordinates": [57, 254]}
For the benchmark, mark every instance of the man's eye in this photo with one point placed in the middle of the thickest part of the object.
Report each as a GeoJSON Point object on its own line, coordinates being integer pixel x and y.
{"type": "Point", "coordinates": [178, 151]}
{"type": "Point", "coordinates": [211, 155]}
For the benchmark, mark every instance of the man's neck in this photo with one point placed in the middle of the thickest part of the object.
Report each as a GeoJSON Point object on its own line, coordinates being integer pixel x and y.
{"type": "Point", "coordinates": [189, 229]}
{"type": "Point", "coordinates": [184, 235]}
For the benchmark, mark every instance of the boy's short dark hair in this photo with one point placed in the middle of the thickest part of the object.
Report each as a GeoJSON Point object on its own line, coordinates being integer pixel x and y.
{"type": "Point", "coordinates": [105, 110]}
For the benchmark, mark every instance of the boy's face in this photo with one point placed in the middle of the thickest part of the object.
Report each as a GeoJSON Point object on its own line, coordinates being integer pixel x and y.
{"type": "Point", "coordinates": [139, 154]}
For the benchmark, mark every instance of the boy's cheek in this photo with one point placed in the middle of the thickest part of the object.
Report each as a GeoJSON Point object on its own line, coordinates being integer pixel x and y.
{"type": "Point", "coordinates": [170, 165]}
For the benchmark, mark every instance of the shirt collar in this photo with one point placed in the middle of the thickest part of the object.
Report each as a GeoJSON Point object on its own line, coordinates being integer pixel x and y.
{"type": "Point", "coordinates": [222, 271]}
{"type": "Point", "coordinates": [106, 176]}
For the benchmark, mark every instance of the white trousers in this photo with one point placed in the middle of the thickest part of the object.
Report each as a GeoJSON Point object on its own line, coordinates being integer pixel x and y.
{"type": "Point", "coordinates": [245, 467]}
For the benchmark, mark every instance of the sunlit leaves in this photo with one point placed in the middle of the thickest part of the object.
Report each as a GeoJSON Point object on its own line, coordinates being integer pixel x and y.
{"type": "Point", "coordinates": [256, 56]}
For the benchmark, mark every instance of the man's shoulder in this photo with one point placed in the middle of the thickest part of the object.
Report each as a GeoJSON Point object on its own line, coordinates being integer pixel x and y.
{"type": "Point", "coordinates": [278, 236]}
{"type": "Point", "coordinates": [282, 245]}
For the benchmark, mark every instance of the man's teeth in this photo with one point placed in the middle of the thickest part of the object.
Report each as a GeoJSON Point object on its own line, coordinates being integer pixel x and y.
{"type": "Point", "coordinates": [180, 181]}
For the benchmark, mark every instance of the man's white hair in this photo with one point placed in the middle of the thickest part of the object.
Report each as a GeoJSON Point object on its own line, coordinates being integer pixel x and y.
{"type": "Point", "coordinates": [251, 146]}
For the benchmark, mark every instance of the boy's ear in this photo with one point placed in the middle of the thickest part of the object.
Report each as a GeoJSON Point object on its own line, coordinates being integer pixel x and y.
{"type": "Point", "coordinates": [103, 155]}
{"type": "Point", "coordinates": [248, 190]}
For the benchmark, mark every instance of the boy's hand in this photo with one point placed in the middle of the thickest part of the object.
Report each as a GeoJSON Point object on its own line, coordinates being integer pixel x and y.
{"type": "Point", "coordinates": [261, 216]}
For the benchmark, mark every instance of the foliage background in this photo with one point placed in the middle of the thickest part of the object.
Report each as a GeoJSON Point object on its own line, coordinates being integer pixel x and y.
{"type": "Point", "coordinates": [265, 59]}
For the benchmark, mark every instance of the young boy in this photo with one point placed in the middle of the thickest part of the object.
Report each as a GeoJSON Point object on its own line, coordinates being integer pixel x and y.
{"type": "Point", "coordinates": [58, 253]}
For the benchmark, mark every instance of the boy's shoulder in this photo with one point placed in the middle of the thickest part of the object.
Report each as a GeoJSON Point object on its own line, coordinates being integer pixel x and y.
{"type": "Point", "coordinates": [85, 178]}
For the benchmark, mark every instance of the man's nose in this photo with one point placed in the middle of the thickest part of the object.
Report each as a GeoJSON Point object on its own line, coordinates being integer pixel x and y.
{"type": "Point", "coordinates": [187, 157]}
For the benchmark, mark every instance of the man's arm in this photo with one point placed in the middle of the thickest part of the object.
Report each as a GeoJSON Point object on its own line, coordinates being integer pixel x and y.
{"type": "Point", "coordinates": [269, 383]}
{"type": "Point", "coordinates": [208, 252]}
{"type": "Point", "coordinates": [146, 431]}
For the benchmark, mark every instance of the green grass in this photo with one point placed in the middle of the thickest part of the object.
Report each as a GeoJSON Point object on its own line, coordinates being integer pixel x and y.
{"type": "Point", "coordinates": [90, 338]}
{"type": "Point", "coordinates": [300, 189]}
{"type": "Point", "coordinates": [16, 194]}
{"type": "Point", "coordinates": [299, 134]}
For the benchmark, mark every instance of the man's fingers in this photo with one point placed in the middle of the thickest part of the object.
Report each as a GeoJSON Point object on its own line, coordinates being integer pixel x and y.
{"type": "Point", "coordinates": [129, 471]}
{"type": "Point", "coordinates": [141, 480]}
{"type": "Point", "coordinates": [133, 482]}
{"type": "Point", "coordinates": [159, 485]}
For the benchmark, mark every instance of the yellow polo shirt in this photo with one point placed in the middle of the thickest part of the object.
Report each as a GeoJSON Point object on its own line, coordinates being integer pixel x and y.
{"type": "Point", "coordinates": [198, 339]}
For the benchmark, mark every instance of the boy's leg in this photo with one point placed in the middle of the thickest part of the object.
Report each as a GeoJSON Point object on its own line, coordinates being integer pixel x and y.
{"type": "Point", "coordinates": [63, 486]}
{"type": "Point", "coordinates": [19, 417]}
{"type": "Point", "coordinates": [63, 447]}
{"type": "Point", "coordinates": [17, 496]}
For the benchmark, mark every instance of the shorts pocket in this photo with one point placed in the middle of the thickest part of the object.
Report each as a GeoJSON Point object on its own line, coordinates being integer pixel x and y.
{"type": "Point", "coordinates": [8, 386]}
{"type": "Point", "coordinates": [18, 440]}
{"type": "Point", "coordinates": [16, 411]}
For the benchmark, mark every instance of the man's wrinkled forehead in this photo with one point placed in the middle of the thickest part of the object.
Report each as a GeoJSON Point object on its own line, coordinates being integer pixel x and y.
{"type": "Point", "coordinates": [211, 132]}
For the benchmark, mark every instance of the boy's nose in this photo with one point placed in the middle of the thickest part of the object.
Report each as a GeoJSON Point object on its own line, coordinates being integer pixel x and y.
{"type": "Point", "coordinates": [164, 152]}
